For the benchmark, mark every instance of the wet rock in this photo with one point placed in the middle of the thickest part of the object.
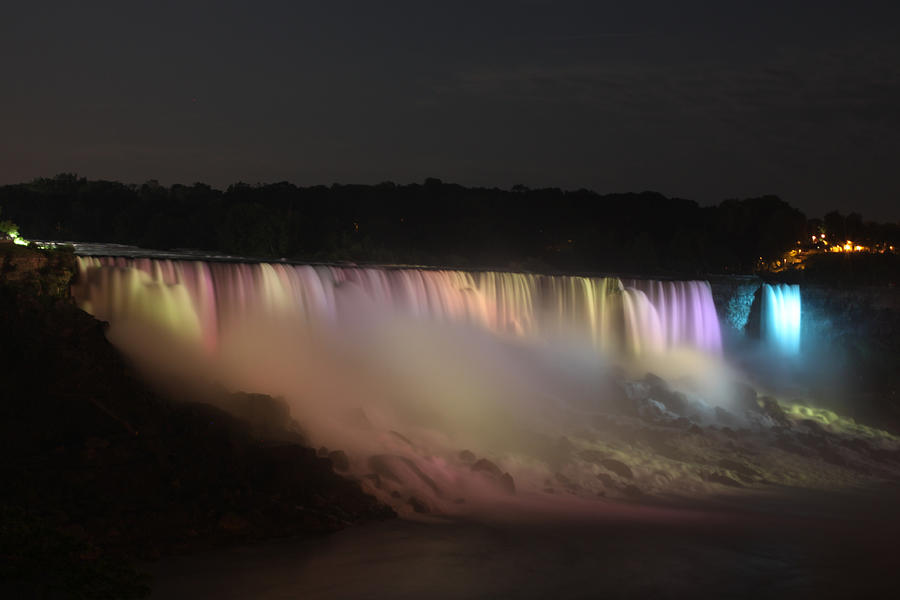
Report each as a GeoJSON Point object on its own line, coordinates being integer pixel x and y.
{"type": "Point", "coordinates": [593, 456]}
{"type": "Point", "coordinates": [728, 431]}
{"type": "Point", "coordinates": [661, 477]}
{"type": "Point", "coordinates": [507, 483]}
{"type": "Point", "coordinates": [885, 456]}
{"type": "Point", "coordinates": [564, 445]}
{"type": "Point", "coordinates": [658, 439]}
{"type": "Point", "coordinates": [633, 491]}
{"type": "Point", "coordinates": [339, 460]}
{"type": "Point", "coordinates": [782, 442]}
{"type": "Point", "coordinates": [616, 399]}
{"type": "Point", "coordinates": [269, 418]}
{"type": "Point", "coordinates": [557, 452]}
{"type": "Point", "coordinates": [662, 393]}
{"type": "Point", "coordinates": [183, 470]}
{"type": "Point", "coordinates": [655, 382]}
{"type": "Point", "coordinates": [856, 444]}
{"type": "Point", "coordinates": [813, 427]}
{"type": "Point", "coordinates": [720, 478]}
{"type": "Point", "coordinates": [743, 471]}
{"type": "Point", "coordinates": [418, 505]}
{"type": "Point", "coordinates": [773, 410]}
{"type": "Point", "coordinates": [357, 417]}
{"type": "Point", "coordinates": [467, 457]}
{"type": "Point", "coordinates": [745, 397]}
{"type": "Point", "coordinates": [504, 480]}
{"type": "Point", "coordinates": [651, 410]}
{"type": "Point", "coordinates": [567, 483]}
{"type": "Point", "coordinates": [725, 417]}
{"type": "Point", "coordinates": [233, 523]}
{"type": "Point", "coordinates": [487, 466]}
{"type": "Point", "coordinates": [617, 467]}
{"type": "Point", "coordinates": [402, 438]}
{"type": "Point", "coordinates": [400, 469]}
{"type": "Point", "coordinates": [831, 455]}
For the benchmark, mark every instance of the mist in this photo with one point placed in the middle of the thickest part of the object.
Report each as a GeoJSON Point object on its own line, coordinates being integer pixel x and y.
{"type": "Point", "coordinates": [472, 394]}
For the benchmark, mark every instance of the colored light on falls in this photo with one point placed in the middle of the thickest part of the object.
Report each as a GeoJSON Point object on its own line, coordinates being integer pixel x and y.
{"type": "Point", "coordinates": [781, 317]}
{"type": "Point", "coordinates": [561, 388]}
{"type": "Point", "coordinates": [200, 300]}
{"type": "Point", "coordinates": [499, 364]}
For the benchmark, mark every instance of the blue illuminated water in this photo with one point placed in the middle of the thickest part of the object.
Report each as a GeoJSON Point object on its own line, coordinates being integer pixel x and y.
{"type": "Point", "coordinates": [781, 317]}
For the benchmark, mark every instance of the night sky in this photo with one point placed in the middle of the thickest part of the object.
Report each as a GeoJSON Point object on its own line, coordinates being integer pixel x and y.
{"type": "Point", "coordinates": [699, 100]}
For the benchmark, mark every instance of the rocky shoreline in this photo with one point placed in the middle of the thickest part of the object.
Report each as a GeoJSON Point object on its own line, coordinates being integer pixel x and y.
{"type": "Point", "coordinates": [99, 469]}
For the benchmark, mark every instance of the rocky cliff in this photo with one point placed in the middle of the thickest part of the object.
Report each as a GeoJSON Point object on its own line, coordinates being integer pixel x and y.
{"type": "Point", "coordinates": [96, 466]}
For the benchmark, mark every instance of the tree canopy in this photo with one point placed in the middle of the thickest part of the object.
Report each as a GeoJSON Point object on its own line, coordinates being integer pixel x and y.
{"type": "Point", "coordinates": [433, 223]}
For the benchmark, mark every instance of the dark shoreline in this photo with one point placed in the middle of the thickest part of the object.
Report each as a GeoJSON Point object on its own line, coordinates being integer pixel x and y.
{"type": "Point", "coordinates": [99, 469]}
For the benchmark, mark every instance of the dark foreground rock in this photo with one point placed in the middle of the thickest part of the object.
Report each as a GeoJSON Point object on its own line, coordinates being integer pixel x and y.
{"type": "Point", "coordinates": [91, 456]}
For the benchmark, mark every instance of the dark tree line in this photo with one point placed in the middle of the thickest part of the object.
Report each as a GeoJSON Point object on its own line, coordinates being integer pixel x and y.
{"type": "Point", "coordinates": [432, 223]}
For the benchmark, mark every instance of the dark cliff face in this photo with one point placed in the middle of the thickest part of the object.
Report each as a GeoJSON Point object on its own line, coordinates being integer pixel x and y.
{"type": "Point", "coordinates": [855, 334]}
{"type": "Point", "coordinates": [99, 460]}
{"type": "Point", "coordinates": [43, 273]}
{"type": "Point", "coordinates": [850, 342]}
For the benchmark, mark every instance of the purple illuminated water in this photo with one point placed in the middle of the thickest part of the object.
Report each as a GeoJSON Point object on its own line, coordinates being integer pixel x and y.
{"type": "Point", "coordinates": [633, 317]}
{"type": "Point", "coordinates": [404, 368]}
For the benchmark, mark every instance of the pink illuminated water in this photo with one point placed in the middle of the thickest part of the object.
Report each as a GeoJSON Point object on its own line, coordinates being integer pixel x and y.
{"type": "Point", "coordinates": [499, 364]}
{"type": "Point", "coordinates": [634, 317]}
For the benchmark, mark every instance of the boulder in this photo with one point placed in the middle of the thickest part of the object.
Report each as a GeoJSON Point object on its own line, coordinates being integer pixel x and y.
{"type": "Point", "coordinates": [402, 438]}
{"type": "Point", "coordinates": [661, 392]}
{"type": "Point", "coordinates": [400, 469]}
{"type": "Point", "coordinates": [467, 457]}
{"type": "Point", "coordinates": [487, 466]}
{"type": "Point", "coordinates": [493, 472]}
{"type": "Point", "coordinates": [606, 480]}
{"type": "Point", "coordinates": [725, 417]}
{"type": "Point", "coordinates": [339, 460]}
{"type": "Point", "coordinates": [617, 467]}
{"type": "Point", "coordinates": [233, 523]}
{"type": "Point", "coordinates": [633, 491]}
{"type": "Point", "coordinates": [719, 478]}
{"type": "Point", "coordinates": [745, 397]}
{"type": "Point", "coordinates": [418, 505]}
{"type": "Point", "coordinates": [743, 471]}
{"type": "Point", "coordinates": [507, 483]}
{"type": "Point", "coordinates": [773, 410]}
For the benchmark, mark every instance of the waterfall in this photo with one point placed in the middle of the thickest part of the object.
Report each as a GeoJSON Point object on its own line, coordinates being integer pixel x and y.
{"type": "Point", "coordinates": [198, 300]}
{"type": "Point", "coordinates": [781, 317]}
{"type": "Point", "coordinates": [500, 364]}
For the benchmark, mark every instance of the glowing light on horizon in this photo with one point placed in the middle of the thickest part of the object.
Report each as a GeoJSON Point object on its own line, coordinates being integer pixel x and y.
{"type": "Point", "coordinates": [16, 238]}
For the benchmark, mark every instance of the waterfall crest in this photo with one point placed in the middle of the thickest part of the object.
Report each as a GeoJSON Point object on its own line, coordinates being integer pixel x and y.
{"type": "Point", "coordinates": [781, 317]}
{"type": "Point", "coordinates": [200, 300]}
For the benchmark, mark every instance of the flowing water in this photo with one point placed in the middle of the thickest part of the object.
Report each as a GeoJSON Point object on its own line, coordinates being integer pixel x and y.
{"type": "Point", "coordinates": [781, 317]}
{"type": "Point", "coordinates": [468, 393]}
{"type": "Point", "coordinates": [544, 436]}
